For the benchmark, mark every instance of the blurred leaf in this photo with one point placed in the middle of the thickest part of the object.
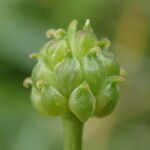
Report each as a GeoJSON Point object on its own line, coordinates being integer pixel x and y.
{"type": "Point", "coordinates": [133, 134]}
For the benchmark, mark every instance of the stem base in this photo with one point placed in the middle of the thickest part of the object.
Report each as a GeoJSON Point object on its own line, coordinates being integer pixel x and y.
{"type": "Point", "coordinates": [72, 132]}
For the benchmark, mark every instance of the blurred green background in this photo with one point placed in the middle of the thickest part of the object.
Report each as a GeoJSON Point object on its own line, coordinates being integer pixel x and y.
{"type": "Point", "coordinates": [23, 24]}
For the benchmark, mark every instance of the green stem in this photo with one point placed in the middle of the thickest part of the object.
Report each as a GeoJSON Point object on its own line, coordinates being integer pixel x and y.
{"type": "Point", "coordinates": [72, 132]}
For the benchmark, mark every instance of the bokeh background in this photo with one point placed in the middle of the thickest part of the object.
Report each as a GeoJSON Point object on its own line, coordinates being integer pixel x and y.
{"type": "Point", "coordinates": [23, 24]}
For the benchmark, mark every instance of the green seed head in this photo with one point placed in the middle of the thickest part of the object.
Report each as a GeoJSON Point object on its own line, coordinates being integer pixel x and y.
{"type": "Point", "coordinates": [75, 72]}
